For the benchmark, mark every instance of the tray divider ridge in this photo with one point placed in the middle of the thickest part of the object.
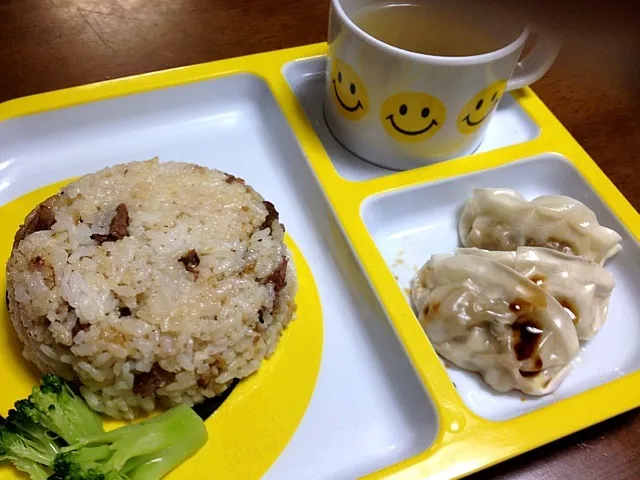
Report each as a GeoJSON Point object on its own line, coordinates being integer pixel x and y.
{"type": "Point", "coordinates": [461, 430]}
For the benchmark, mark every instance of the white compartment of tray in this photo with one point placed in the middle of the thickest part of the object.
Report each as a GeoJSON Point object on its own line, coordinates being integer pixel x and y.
{"type": "Point", "coordinates": [510, 124]}
{"type": "Point", "coordinates": [408, 225]}
{"type": "Point", "coordinates": [369, 409]}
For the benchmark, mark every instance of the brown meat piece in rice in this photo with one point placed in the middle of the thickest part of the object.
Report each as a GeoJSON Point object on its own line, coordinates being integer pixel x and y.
{"type": "Point", "coordinates": [41, 218]}
{"type": "Point", "coordinates": [123, 315]}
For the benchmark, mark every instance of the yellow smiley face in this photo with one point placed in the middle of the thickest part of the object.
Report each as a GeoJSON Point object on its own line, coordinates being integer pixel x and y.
{"type": "Point", "coordinates": [412, 116]}
{"type": "Point", "coordinates": [478, 109]}
{"type": "Point", "coordinates": [349, 93]}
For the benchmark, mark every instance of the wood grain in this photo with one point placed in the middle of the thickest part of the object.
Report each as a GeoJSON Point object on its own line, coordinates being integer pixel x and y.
{"type": "Point", "coordinates": [51, 44]}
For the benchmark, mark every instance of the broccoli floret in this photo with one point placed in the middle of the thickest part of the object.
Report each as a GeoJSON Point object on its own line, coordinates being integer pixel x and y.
{"type": "Point", "coordinates": [27, 446]}
{"type": "Point", "coordinates": [33, 433]}
{"type": "Point", "coordinates": [52, 416]}
{"type": "Point", "coordinates": [56, 407]}
{"type": "Point", "coordinates": [143, 451]}
{"type": "Point", "coordinates": [68, 467]}
{"type": "Point", "coordinates": [54, 430]}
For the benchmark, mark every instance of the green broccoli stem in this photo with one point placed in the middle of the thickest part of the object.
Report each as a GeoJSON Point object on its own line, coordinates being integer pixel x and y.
{"type": "Point", "coordinates": [33, 469]}
{"type": "Point", "coordinates": [86, 421]}
{"type": "Point", "coordinates": [150, 449]}
{"type": "Point", "coordinates": [26, 445]}
{"type": "Point", "coordinates": [186, 434]}
{"type": "Point", "coordinates": [91, 455]}
{"type": "Point", "coordinates": [131, 430]}
{"type": "Point", "coordinates": [38, 439]}
{"type": "Point", "coordinates": [165, 461]}
{"type": "Point", "coordinates": [29, 451]}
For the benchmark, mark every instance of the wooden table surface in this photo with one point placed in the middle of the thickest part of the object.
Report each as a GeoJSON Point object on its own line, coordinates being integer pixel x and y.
{"type": "Point", "coordinates": [51, 44]}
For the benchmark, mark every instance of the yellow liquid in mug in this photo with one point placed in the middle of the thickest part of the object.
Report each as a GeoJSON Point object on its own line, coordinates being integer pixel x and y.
{"type": "Point", "coordinates": [427, 27]}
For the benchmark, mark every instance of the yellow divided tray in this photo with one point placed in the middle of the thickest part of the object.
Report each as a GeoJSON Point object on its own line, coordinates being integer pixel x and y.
{"type": "Point", "coordinates": [355, 388]}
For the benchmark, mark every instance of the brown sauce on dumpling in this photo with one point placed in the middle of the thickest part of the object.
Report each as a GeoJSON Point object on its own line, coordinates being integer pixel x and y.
{"type": "Point", "coordinates": [527, 334]}
{"type": "Point", "coordinates": [535, 370]}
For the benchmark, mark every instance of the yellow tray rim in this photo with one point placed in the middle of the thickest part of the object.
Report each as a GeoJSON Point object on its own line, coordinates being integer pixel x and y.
{"type": "Point", "coordinates": [466, 442]}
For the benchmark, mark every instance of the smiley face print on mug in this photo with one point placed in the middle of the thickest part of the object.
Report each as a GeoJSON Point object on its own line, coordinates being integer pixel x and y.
{"type": "Point", "coordinates": [349, 92]}
{"type": "Point", "coordinates": [479, 107]}
{"type": "Point", "coordinates": [409, 116]}
{"type": "Point", "coordinates": [412, 116]}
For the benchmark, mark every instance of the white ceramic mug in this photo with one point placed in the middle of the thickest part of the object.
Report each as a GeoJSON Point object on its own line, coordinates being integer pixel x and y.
{"type": "Point", "coordinates": [401, 109]}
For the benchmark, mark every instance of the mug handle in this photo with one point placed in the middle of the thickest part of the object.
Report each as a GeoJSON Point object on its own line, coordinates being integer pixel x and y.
{"type": "Point", "coordinates": [537, 62]}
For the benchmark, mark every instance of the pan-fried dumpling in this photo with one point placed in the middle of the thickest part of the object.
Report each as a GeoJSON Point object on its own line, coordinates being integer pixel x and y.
{"type": "Point", "coordinates": [581, 287]}
{"type": "Point", "coordinates": [502, 219]}
{"type": "Point", "coordinates": [485, 317]}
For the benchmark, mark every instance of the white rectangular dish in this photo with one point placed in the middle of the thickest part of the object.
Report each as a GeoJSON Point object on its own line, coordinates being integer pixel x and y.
{"type": "Point", "coordinates": [380, 403]}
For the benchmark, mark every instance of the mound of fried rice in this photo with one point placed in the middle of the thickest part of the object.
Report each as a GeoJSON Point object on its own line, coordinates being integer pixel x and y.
{"type": "Point", "coordinates": [152, 284]}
